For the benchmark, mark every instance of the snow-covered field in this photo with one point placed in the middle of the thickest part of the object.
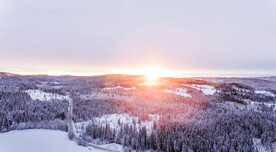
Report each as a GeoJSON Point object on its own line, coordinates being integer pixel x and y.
{"type": "Point", "coordinates": [179, 91]}
{"type": "Point", "coordinates": [40, 140]}
{"type": "Point", "coordinates": [266, 93]}
{"type": "Point", "coordinates": [206, 89]}
{"type": "Point", "coordinates": [150, 84]}
{"type": "Point", "coordinates": [113, 119]}
{"type": "Point", "coordinates": [119, 87]}
{"type": "Point", "coordinates": [40, 95]}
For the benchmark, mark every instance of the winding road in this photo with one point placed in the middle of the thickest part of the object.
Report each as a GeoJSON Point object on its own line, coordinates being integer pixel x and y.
{"type": "Point", "coordinates": [71, 129]}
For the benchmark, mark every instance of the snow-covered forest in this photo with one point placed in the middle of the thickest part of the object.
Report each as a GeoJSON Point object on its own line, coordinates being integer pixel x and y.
{"type": "Point", "coordinates": [175, 114]}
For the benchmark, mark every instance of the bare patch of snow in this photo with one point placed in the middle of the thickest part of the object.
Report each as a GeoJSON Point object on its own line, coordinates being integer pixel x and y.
{"type": "Point", "coordinates": [34, 140]}
{"type": "Point", "coordinates": [55, 82]}
{"type": "Point", "coordinates": [206, 89]}
{"type": "Point", "coordinates": [266, 93]}
{"type": "Point", "coordinates": [40, 95]}
{"type": "Point", "coordinates": [179, 91]}
{"type": "Point", "coordinates": [119, 87]}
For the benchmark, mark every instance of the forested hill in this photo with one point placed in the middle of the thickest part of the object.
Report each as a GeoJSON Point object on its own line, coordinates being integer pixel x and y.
{"type": "Point", "coordinates": [170, 114]}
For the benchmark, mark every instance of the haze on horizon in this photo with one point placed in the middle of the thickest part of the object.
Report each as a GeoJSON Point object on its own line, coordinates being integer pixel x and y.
{"type": "Point", "coordinates": [183, 38]}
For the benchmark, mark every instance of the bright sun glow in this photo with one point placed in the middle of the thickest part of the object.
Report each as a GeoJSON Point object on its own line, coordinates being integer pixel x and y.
{"type": "Point", "coordinates": [153, 73]}
{"type": "Point", "coordinates": [152, 76]}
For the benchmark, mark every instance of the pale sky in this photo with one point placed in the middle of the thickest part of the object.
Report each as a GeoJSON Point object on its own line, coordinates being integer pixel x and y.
{"type": "Point", "coordinates": [192, 38]}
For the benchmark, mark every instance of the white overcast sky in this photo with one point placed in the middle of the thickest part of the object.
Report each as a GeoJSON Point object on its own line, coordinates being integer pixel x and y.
{"type": "Point", "coordinates": [93, 36]}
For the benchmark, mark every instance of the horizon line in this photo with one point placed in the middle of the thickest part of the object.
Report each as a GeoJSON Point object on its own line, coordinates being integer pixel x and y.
{"type": "Point", "coordinates": [129, 74]}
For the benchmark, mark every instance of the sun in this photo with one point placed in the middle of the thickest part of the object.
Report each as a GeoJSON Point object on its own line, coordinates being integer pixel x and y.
{"type": "Point", "coordinates": [153, 73]}
{"type": "Point", "coordinates": [152, 76]}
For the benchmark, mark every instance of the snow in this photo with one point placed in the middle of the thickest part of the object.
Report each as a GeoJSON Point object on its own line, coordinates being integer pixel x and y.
{"type": "Point", "coordinates": [206, 89]}
{"type": "Point", "coordinates": [112, 120]}
{"type": "Point", "coordinates": [179, 91]}
{"type": "Point", "coordinates": [265, 103]}
{"type": "Point", "coordinates": [80, 127]}
{"type": "Point", "coordinates": [55, 82]}
{"type": "Point", "coordinates": [113, 146]}
{"type": "Point", "coordinates": [40, 95]}
{"type": "Point", "coordinates": [100, 95]}
{"type": "Point", "coordinates": [150, 84]}
{"type": "Point", "coordinates": [39, 140]}
{"type": "Point", "coordinates": [257, 144]}
{"type": "Point", "coordinates": [93, 95]}
{"type": "Point", "coordinates": [119, 87]}
{"type": "Point", "coordinates": [266, 93]}
{"type": "Point", "coordinates": [241, 89]}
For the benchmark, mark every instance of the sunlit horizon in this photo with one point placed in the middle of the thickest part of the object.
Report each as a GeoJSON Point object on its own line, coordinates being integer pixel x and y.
{"type": "Point", "coordinates": [150, 73]}
{"type": "Point", "coordinates": [127, 37]}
